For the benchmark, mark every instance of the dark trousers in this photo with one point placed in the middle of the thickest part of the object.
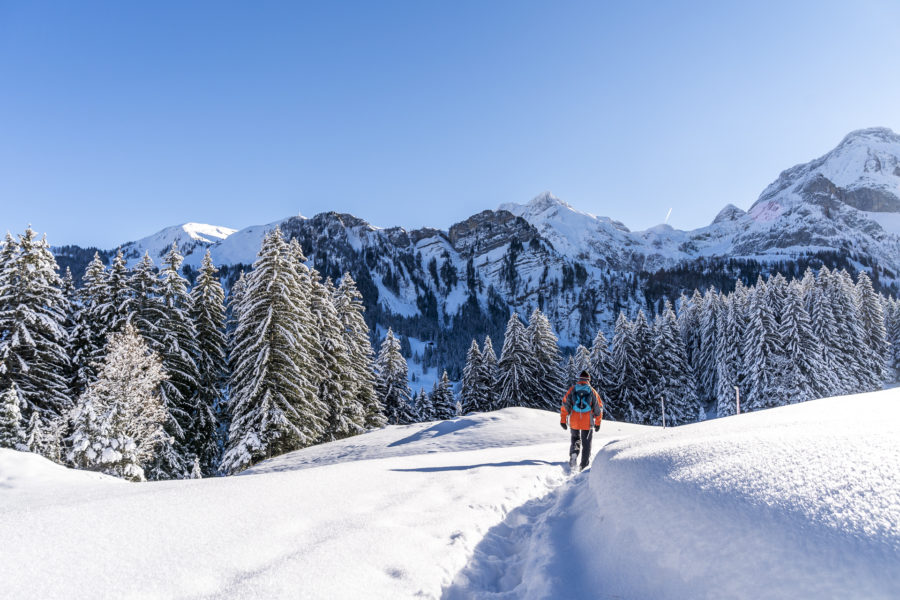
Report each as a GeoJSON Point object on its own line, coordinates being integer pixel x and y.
{"type": "Point", "coordinates": [581, 439]}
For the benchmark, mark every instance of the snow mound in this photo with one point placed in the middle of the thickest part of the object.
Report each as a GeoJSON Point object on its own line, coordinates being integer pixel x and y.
{"type": "Point", "coordinates": [801, 501]}
{"type": "Point", "coordinates": [24, 470]}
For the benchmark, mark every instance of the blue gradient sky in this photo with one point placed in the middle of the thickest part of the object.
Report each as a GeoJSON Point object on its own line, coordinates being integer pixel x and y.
{"type": "Point", "coordinates": [120, 118]}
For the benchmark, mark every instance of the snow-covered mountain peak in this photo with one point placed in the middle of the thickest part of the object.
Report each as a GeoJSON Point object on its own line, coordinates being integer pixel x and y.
{"type": "Point", "coordinates": [207, 233]}
{"type": "Point", "coordinates": [863, 172]}
{"type": "Point", "coordinates": [729, 213]}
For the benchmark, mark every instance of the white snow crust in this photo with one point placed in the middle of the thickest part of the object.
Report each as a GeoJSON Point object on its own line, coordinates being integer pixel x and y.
{"type": "Point", "coordinates": [795, 502]}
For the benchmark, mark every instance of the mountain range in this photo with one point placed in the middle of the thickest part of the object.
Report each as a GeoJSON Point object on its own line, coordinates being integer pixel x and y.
{"type": "Point", "coordinates": [842, 209]}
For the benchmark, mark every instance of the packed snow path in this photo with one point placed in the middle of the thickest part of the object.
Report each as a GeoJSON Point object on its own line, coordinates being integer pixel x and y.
{"type": "Point", "coordinates": [800, 502]}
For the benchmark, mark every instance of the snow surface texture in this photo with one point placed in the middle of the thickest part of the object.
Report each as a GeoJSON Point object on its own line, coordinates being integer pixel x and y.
{"type": "Point", "coordinates": [795, 502]}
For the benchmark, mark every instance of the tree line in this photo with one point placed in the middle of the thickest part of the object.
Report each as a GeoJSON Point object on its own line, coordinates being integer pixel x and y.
{"type": "Point", "coordinates": [773, 343]}
{"type": "Point", "coordinates": [139, 375]}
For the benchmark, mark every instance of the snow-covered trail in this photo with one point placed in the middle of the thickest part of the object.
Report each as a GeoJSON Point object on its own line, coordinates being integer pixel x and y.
{"type": "Point", "coordinates": [392, 514]}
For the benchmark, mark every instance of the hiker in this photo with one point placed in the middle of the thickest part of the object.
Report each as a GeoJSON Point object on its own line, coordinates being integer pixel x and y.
{"type": "Point", "coordinates": [579, 405]}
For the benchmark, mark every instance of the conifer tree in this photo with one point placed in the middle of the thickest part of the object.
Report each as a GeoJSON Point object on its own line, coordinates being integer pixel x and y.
{"type": "Point", "coordinates": [892, 324]}
{"type": "Point", "coordinates": [118, 423]}
{"type": "Point", "coordinates": [625, 399]}
{"type": "Point", "coordinates": [689, 324]}
{"type": "Point", "coordinates": [87, 338]}
{"type": "Point", "coordinates": [147, 313]}
{"type": "Point", "coordinates": [115, 305]}
{"type": "Point", "coordinates": [177, 347]}
{"type": "Point", "coordinates": [646, 379]}
{"type": "Point", "coordinates": [846, 345]}
{"type": "Point", "coordinates": [833, 376]}
{"type": "Point", "coordinates": [516, 375]}
{"type": "Point", "coordinates": [706, 373]}
{"type": "Point", "coordinates": [874, 349]}
{"type": "Point", "coordinates": [12, 432]}
{"type": "Point", "coordinates": [473, 381]}
{"type": "Point", "coordinates": [442, 399]}
{"type": "Point", "coordinates": [207, 312]}
{"type": "Point", "coordinates": [491, 376]}
{"type": "Point", "coordinates": [762, 353]}
{"type": "Point", "coordinates": [601, 370]}
{"type": "Point", "coordinates": [548, 374]}
{"type": "Point", "coordinates": [730, 353]}
{"type": "Point", "coordinates": [274, 406]}
{"type": "Point", "coordinates": [581, 361]}
{"type": "Point", "coordinates": [391, 381]}
{"type": "Point", "coordinates": [675, 386]}
{"type": "Point", "coordinates": [33, 337]}
{"type": "Point", "coordinates": [348, 303]}
{"type": "Point", "coordinates": [424, 407]}
{"type": "Point", "coordinates": [571, 372]}
{"type": "Point", "coordinates": [800, 348]}
{"type": "Point", "coordinates": [336, 390]}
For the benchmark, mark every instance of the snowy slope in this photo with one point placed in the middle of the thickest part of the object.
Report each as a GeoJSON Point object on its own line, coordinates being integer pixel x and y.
{"type": "Point", "coordinates": [795, 502]}
{"type": "Point", "coordinates": [391, 514]}
{"type": "Point", "coordinates": [192, 238]}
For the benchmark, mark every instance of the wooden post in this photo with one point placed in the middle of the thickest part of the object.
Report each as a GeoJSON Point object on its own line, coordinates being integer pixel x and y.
{"type": "Point", "coordinates": [663, 402]}
{"type": "Point", "coordinates": [737, 398]}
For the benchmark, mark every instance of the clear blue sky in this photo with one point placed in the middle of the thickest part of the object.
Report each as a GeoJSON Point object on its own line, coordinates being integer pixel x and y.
{"type": "Point", "coordinates": [120, 118]}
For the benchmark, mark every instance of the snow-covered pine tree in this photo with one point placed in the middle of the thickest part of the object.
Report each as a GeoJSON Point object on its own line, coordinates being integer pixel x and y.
{"type": "Point", "coordinates": [762, 355]}
{"type": "Point", "coordinates": [846, 345]}
{"type": "Point", "coordinates": [689, 310]}
{"type": "Point", "coordinates": [34, 434]}
{"type": "Point", "coordinates": [874, 335]}
{"type": "Point", "coordinates": [196, 471]}
{"type": "Point", "coordinates": [336, 389]}
{"type": "Point", "coordinates": [516, 373]}
{"type": "Point", "coordinates": [116, 305]}
{"type": "Point", "coordinates": [630, 381]}
{"type": "Point", "coordinates": [833, 375]}
{"type": "Point", "coordinates": [12, 431]}
{"type": "Point", "coordinates": [582, 361]}
{"type": "Point", "coordinates": [442, 399]}
{"type": "Point", "coordinates": [274, 406]}
{"type": "Point", "coordinates": [799, 347]}
{"type": "Point", "coordinates": [706, 374]}
{"type": "Point", "coordinates": [208, 315]}
{"type": "Point", "coordinates": [602, 372]}
{"type": "Point", "coordinates": [424, 408]}
{"type": "Point", "coordinates": [350, 309]}
{"type": "Point", "coordinates": [391, 381]}
{"type": "Point", "coordinates": [472, 389]}
{"type": "Point", "coordinates": [892, 324]}
{"type": "Point", "coordinates": [33, 338]}
{"type": "Point", "coordinates": [118, 423]}
{"type": "Point", "coordinates": [675, 385]}
{"type": "Point", "coordinates": [730, 352]}
{"type": "Point", "coordinates": [147, 313]}
{"type": "Point", "coordinates": [571, 372]}
{"type": "Point", "coordinates": [644, 403]}
{"type": "Point", "coordinates": [491, 376]}
{"type": "Point", "coordinates": [549, 375]}
{"type": "Point", "coordinates": [87, 336]}
{"type": "Point", "coordinates": [776, 289]}
{"type": "Point", "coordinates": [177, 347]}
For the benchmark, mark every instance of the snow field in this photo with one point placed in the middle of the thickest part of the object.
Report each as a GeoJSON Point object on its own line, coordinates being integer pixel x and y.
{"type": "Point", "coordinates": [391, 514]}
{"type": "Point", "coordinates": [796, 502]}
{"type": "Point", "coordinates": [801, 501]}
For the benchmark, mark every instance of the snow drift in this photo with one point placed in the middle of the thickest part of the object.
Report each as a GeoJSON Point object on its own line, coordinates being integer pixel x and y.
{"type": "Point", "coordinates": [796, 502]}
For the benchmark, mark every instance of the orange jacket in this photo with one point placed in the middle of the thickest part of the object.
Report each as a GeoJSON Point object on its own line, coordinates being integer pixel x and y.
{"type": "Point", "coordinates": [581, 420]}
